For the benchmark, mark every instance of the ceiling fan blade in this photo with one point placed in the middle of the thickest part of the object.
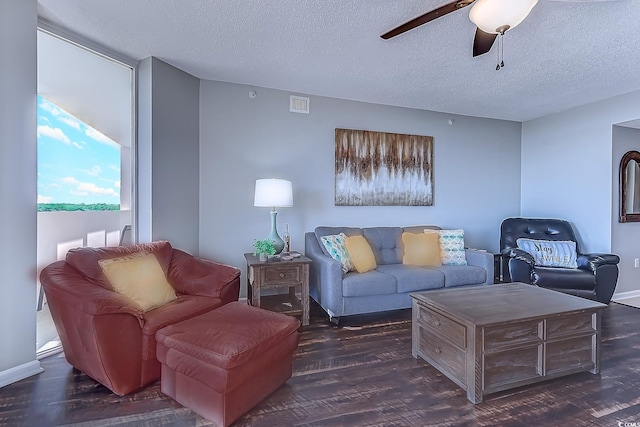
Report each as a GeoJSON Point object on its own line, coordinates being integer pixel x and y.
{"type": "Point", "coordinates": [427, 17]}
{"type": "Point", "coordinates": [482, 42]}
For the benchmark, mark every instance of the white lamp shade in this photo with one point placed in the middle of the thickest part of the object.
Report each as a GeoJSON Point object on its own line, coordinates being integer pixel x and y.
{"type": "Point", "coordinates": [489, 15]}
{"type": "Point", "coordinates": [273, 192]}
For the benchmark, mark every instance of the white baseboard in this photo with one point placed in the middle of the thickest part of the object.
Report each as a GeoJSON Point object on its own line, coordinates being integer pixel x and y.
{"type": "Point", "coordinates": [19, 372]}
{"type": "Point", "coordinates": [619, 296]}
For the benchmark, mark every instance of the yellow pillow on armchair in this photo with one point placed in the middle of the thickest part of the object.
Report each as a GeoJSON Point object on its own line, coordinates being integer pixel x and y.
{"type": "Point", "coordinates": [139, 277]}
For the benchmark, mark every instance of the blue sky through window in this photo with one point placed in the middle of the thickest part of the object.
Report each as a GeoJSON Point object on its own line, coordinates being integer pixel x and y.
{"type": "Point", "coordinates": [76, 163]}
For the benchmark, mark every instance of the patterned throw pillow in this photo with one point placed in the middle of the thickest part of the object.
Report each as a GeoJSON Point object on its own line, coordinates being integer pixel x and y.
{"type": "Point", "coordinates": [338, 251]}
{"type": "Point", "coordinates": [421, 249]}
{"type": "Point", "coordinates": [551, 253]}
{"type": "Point", "coordinates": [451, 246]}
{"type": "Point", "coordinates": [139, 277]}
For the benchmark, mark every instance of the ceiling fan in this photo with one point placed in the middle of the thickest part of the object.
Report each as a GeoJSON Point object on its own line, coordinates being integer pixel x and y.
{"type": "Point", "coordinates": [491, 17]}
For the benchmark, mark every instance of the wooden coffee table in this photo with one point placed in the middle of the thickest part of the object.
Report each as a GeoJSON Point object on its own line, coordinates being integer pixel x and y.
{"type": "Point", "coordinates": [496, 337]}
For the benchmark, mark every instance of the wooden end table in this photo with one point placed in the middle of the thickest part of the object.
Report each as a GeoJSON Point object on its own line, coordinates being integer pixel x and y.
{"type": "Point", "coordinates": [277, 274]}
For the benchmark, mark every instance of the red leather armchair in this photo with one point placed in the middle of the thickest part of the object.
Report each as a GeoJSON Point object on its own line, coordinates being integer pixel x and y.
{"type": "Point", "coordinates": [107, 336]}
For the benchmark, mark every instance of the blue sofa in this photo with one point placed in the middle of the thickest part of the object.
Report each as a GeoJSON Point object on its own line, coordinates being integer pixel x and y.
{"type": "Point", "coordinates": [388, 286]}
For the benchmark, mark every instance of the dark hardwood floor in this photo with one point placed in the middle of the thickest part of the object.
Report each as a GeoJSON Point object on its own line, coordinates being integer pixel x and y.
{"type": "Point", "coordinates": [362, 374]}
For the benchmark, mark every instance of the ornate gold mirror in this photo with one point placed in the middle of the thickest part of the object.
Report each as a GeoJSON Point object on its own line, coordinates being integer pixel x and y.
{"type": "Point", "coordinates": [630, 187]}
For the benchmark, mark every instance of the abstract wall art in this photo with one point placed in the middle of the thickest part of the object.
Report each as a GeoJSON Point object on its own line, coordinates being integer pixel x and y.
{"type": "Point", "coordinates": [383, 169]}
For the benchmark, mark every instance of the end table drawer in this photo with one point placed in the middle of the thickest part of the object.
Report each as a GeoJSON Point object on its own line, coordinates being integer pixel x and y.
{"type": "Point", "coordinates": [452, 330]}
{"type": "Point", "coordinates": [282, 275]}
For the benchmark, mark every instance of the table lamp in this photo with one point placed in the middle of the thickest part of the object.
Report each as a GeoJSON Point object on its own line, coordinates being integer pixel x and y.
{"type": "Point", "coordinates": [273, 193]}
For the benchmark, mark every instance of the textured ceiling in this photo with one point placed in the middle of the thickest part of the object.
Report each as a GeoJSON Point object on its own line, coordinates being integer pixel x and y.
{"type": "Point", "coordinates": [565, 53]}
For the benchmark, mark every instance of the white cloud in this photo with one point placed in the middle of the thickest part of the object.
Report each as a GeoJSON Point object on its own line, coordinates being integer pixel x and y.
{"type": "Point", "coordinates": [44, 199]}
{"type": "Point", "coordinates": [90, 188]}
{"type": "Point", "coordinates": [70, 180]}
{"type": "Point", "coordinates": [70, 121]}
{"type": "Point", "coordinates": [116, 184]}
{"type": "Point", "coordinates": [94, 171]}
{"type": "Point", "coordinates": [55, 133]}
{"type": "Point", "coordinates": [78, 146]}
{"type": "Point", "coordinates": [100, 137]}
{"type": "Point", "coordinates": [51, 108]}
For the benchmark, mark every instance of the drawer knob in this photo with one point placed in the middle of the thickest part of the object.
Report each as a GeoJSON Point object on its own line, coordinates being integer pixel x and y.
{"type": "Point", "coordinates": [281, 275]}
{"type": "Point", "coordinates": [438, 350]}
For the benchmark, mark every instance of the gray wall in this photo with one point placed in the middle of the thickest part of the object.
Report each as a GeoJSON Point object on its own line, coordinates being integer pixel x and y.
{"type": "Point", "coordinates": [569, 170]}
{"type": "Point", "coordinates": [624, 236]}
{"type": "Point", "coordinates": [168, 155]}
{"type": "Point", "coordinates": [477, 168]}
{"type": "Point", "coordinates": [18, 83]}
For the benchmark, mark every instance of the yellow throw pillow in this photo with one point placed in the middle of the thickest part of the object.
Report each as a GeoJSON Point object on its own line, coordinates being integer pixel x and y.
{"type": "Point", "coordinates": [360, 253]}
{"type": "Point", "coordinates": [139, 277]}
{"type": "Point", "coordinates": [422, 250]}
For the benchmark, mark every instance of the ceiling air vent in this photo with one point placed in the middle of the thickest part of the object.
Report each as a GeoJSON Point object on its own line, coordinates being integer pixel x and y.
{"type": "Point", "coordinates": [298, 104]}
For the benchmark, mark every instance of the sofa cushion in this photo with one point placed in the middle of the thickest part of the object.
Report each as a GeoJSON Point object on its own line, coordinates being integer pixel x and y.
{"type": "Point", "coordinates": [420, 228]}
{"type": "Point", "coordinates": [85, 260]}
{"type": "Point", "coordinates": [327, 231]}
{"type": "Point", "coordinates": [458, 275]}
{"type": "Point", "coordinates": [386, 243]}
{"type": "Point", "coordinates": [370, 283]}
{"type": "Point", "coordinates": [411, 279]}
{"type": "Point", "coordinates": [421, 249]}
{"type": "Point", "coordinates": [360, 253]}
{"type": "Point", "coordinates": [334, 244]}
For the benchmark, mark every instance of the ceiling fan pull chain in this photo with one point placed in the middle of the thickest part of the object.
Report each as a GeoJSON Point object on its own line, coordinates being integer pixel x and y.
{"type": "Point", "coordinates": [500, 63]}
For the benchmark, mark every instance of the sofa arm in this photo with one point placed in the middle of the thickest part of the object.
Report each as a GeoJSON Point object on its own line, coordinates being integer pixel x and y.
{"type": "Point", "coordinates": [198, 276]}
{"type": "Point", "coordinates": [65, 283]}
{"type": "Point", "coordinates": [591, 262]}
{"type": "Point", "coordinates": [482, 259]}
{"type": "Point", "coordinates": [325, 277]}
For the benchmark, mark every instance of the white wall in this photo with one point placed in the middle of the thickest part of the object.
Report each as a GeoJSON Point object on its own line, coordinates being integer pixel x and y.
{"type": "Point", "coordinates": [60, 231]}
{"type": "Point", "coordinates": [624, 236]}
{"type": "Point", "coordinates": [168, 154]}
{"type": "Point", "coordinates": [567, 167]}
{"type": "Point", "coordinates": [18, 20]}
{"type": "Point", "coordinates": [477, 168]}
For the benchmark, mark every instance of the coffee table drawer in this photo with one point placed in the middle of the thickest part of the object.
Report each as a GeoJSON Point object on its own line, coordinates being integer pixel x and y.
{"type": "Point", "coordinates": [450, 358]}
{"type": "Point", "coordinates": [511, 366]}
{"type": "Point", "coordinates": [571, 325]}
{"type": "Point", "coordinates": [517, 333]}
{"type": "Point", "coordinates": [570, 354]}
{"type": "Point", "coordinates": [441, 324]}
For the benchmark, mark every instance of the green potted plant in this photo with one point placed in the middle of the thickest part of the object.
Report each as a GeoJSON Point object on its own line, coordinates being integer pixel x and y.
{"type": "Point", "coordinates": [264, 248]}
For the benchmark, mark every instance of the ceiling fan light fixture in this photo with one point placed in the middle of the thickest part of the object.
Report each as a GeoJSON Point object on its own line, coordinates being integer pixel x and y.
{"type": "Point", "coordinates": [492, 16]}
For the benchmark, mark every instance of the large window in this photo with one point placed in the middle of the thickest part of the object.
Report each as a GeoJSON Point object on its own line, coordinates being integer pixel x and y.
{"type": "Point", "coordinates": [78, 167]}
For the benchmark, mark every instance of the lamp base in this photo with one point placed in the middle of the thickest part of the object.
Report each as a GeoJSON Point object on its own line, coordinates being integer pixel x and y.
{"type": "Point", "coordinates": [278, 243]}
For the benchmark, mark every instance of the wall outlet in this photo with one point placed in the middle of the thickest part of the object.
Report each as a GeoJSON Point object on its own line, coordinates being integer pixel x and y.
{"type": "Point", "coordinates": [636, 262]}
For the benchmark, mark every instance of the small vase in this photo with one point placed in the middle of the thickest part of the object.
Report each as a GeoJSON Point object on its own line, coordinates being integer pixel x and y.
{"type": "Point", "coordinates": [263, 257]}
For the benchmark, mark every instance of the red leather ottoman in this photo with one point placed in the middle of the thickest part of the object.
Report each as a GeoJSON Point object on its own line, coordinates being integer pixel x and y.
{"type": "Point", "coordinates": [222, 363]}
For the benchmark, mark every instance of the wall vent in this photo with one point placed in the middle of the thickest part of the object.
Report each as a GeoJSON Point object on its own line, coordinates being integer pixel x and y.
{"type": "Point", "coordinates": [298, 104]}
